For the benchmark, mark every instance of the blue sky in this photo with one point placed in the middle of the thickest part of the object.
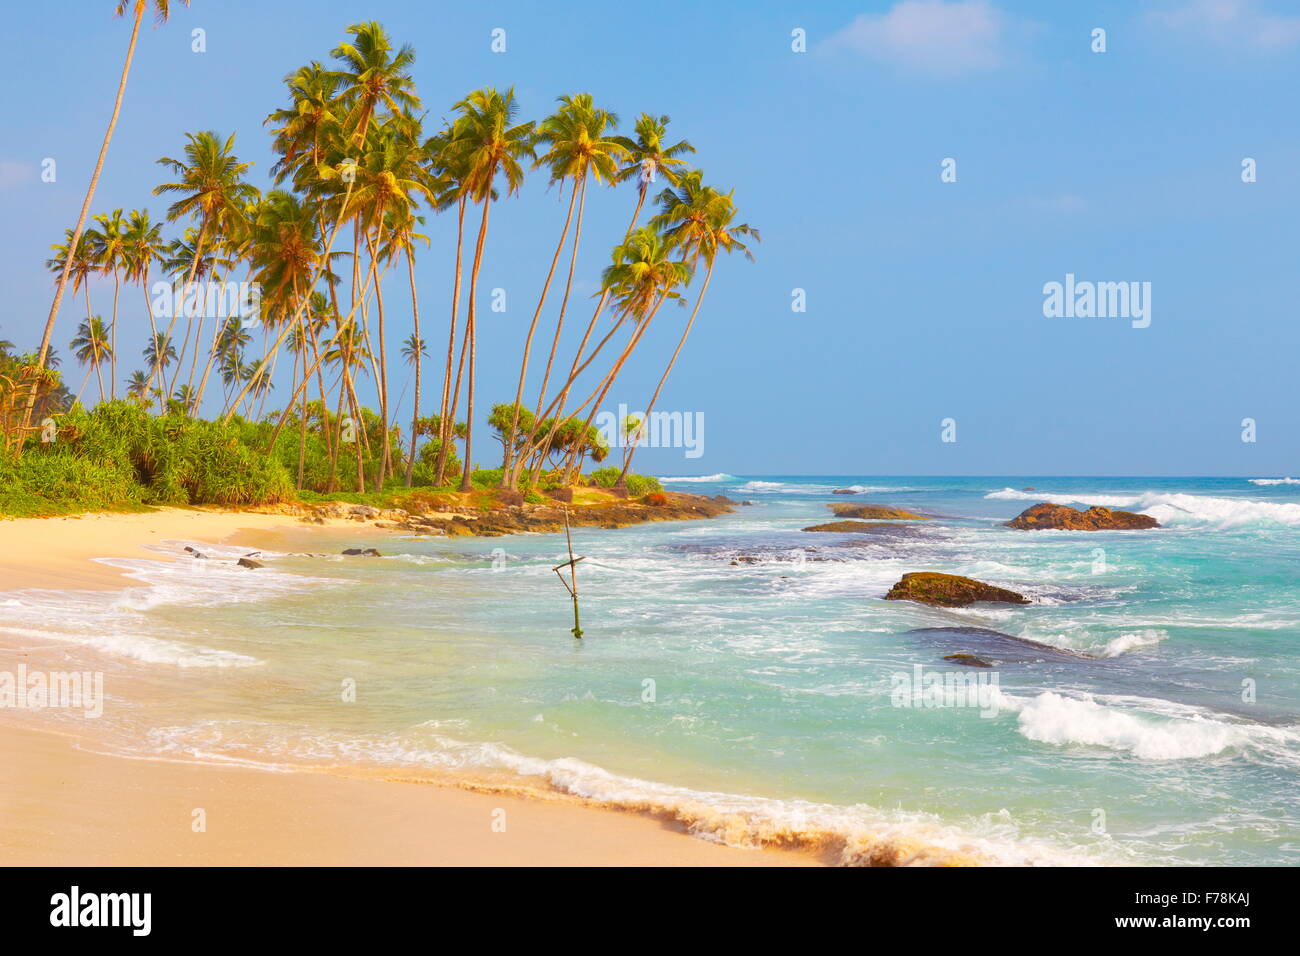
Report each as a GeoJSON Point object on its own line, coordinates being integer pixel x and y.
{"type": "Point", "coordinates": [924, 298]}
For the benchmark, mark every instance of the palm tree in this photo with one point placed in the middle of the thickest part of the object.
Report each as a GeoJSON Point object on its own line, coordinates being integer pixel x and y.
{"type": "Point", "coordinates": [157, 355]}
{"type": "Point", "coordinates": [109, 245]}
{"type": "Point", "coordinates": [82, 265]}
{"type": "Point", "coordinates": [372, 76]}
{"type": "Point", "coordinates": [137, 386]}
{"type": "Point", "coordinates": [698, 219]}
{"type": "Point", "coordinates": [642, 278]}
{"type": "Point", "coordinates": [649, 158]}
{"type": "Point", "coordinates": [209, 181]}
{"type": "Point", "coordinates": [577, 148]}
{"type": "Point", "coordinates": [389, 181]}
{"type": "Point", "coordinates": [162, 10]}
{"type": "Point", "coordinates": [143, 247]}
{"type": "Point", "coordinates": [487, 141]}
{"type": "Point", "coordinates": [91, 347]}
{"type": "Point", "coordinates": [403, 238]}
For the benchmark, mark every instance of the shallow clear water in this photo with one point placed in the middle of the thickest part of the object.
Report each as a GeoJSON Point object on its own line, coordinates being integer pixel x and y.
{"type": "Point", "coordinates": [761, 696]}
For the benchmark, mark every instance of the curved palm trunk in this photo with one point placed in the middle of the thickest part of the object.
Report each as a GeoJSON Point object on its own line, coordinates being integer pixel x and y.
{"type": "Point", "coordinates": [627, 456]}
{"type": "Point", "coordinates": [466, 475]}
{"type": "Point", "coordinates": [419, 348]}
{"type": "Point", "coordinates": [85, 211]}
{"type": "Point", "coordinates": [446, 424]}
{"type": "Point", "coordinates": [385, 460]}
{"type": "Point", "coordinates": [507, 479]}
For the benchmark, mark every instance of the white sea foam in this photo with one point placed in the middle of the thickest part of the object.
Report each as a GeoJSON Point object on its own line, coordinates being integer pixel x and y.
{"type": "Point", "coordinates": [1178, 509]}
{"type": "Point", "coordinates": [1134, 640]}
{"type": "Point", "coordinates": [1275, 481]}
{"type": "Point", "coordinates": [859, 835]}
{"type": "Point", "coordinates": [1162, 733]}
{"type": "Point", "coordinates": [700, 478]}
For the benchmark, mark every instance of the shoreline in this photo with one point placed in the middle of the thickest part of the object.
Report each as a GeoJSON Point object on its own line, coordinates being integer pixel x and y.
{"type": "Point", "coordinates": [64, 803]}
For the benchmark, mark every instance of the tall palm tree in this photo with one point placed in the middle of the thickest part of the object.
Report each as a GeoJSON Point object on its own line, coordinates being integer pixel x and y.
{"type": "Point", "coordinates": [143, 247]}
{"type": "Point", "coordinates": [212, 191]}
{"type": "Point", "coordinates": [649, 158]}
{"type": "Point", "coordinates": [372, 76]}
{"type": "Point", "coordinates": [403, 238]}
{"type": "Point", "coordinates": [488, 142]}
{"type": "Point", "coordinates": [643, 276]}
{"type": "Point", "coordinates": [698, 219]}
{"type": "Point", "coordinates": [578, 147]}
{"type": "Point", "coordinates": [91, 347]}
{"type": "Point", "coordinates": [82, 265]}
{"type": "Point", "coordinates": [137, 386]}
{"type": "Point", "coordinates": [109, 245]}
{"type": "Point", "coordinates": [162, 10]}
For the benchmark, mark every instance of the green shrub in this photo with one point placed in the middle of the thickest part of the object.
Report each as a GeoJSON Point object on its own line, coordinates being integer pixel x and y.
{"type": "Point", "coordinates": [638, 485]}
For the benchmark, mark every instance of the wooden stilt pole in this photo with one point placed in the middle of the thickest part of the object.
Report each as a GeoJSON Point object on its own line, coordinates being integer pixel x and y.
{"type": "Point", "coordinates": [572, 584]}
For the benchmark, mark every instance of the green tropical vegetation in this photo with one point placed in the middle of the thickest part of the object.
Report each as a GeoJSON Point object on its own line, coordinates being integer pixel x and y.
{"type": "Point", "coordinates": [256, 286]}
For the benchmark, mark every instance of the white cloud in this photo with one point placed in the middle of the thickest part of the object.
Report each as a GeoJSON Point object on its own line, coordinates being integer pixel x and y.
{"type": "Point", "coordinates": [931, 36]}
{"type": "Point", "coordinates": [1233, 21]}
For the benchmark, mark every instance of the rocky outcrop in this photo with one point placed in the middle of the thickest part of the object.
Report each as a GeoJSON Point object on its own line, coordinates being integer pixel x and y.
{"type": "Point", "coordinates": [875, 513]}
{"type": "Point", "coordinates": [949, 590]}
{"type": "Point", "coordinates": [967, 660]}
{"type": "Point", "coordinates": [844, 491]}
{"type": "Point", "coordinates": [1049, 515]}
{"type": "Point", "coordinates": [850, 527]}
{"type": "Point", "coordinates": [361, 552]}
{"type": "Point", "coordinates": [249, 563]}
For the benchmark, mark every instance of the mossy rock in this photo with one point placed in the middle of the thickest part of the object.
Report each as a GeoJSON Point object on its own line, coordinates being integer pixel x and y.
{"type": "Point", "coordinates": [949, 590]}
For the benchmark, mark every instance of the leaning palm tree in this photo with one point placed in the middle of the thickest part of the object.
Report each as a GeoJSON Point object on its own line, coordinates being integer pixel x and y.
{"type": "Point", "coordinates": [698, 219]}
{"type": "Point", "coordinates": [578, 147]}
{"type": "Point", "coordinates": [403, 238]}
{"type": "Point", "coordinates": [649, 158]}
{"type": "Point", "coordinates": [162, 9]}
{"type": "Point", "coordinates": [488, 142]}
{"type": "Point", "coordinates": [82, 265]}
{"type": "Point", "coordinates": [91, 347]}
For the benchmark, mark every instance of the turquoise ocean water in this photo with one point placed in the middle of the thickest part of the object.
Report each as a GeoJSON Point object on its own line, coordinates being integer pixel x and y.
{"type": "Point", "coordinates": [747, 676]}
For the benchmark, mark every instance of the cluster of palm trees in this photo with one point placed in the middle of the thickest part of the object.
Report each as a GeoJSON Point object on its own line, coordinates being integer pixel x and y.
{"type": "Point", "coordinates": [356, 173]}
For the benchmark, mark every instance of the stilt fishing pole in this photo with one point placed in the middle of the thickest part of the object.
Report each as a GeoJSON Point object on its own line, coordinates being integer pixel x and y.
{"type": "Point", "coordinates": [572, 584]}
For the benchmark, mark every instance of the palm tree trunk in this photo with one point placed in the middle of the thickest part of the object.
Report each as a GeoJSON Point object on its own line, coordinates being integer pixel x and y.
{"type": "Point", "coordinates": [419, 348]}
{"type": "Point", "coordinates": [466, 475]}
{"type": "Point", "coordinates": [506, 480]}
{"type": "Point", "coordinates": [85, 211]}
{"type": "Point", "coordinates": [445, 426]}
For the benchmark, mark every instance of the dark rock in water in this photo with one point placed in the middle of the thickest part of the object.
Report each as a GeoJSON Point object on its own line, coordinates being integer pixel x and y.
{"type": "Point", "coordinates": [364, 552]}
{"type": "Point", "coordinates": [249, 563]}
{"type": "Point", "coordinates": [844, 491]}
{"type": "Point", "coordinates": [1096, 518]}
{"type": "Point", "coordinates": [949, 590]}
{"type": "Point", "coordinates": [195, 553]}
{"type": "Point", "coordinates": [875, 512]}
{"type": "Point", "coordinates": [967, 660]}
{"type": "Point", "coordinates": [1028, 489]}
{"type": "Point", "coordinates": [747, 504]}
{"type": "Point", "coordinates": [981, 643]}
{"type": "Point", "coordinates": [851, 527]}
{"type": "Point", "coordinates": [746, 559]}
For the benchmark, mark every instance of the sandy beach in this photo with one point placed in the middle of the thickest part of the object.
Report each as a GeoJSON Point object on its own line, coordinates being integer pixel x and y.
{"type": "Point", "coordinates": [63, 803]}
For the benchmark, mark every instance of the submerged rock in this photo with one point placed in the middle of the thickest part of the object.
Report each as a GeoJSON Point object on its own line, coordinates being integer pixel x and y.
{"type": "Point", "coordinates": [875, 512]}
{"type": "Point", "coordinates": [967, 660]}
{"type": "Point", "coordinates": [852, 527]}
{"type": "Point", "coordinates": [844, 491]}
{"type": "Point", "coordinates": [1096, 518]}
{"type": "Point", "coordinates": [249, 563]}
{"type": "Point", "coordinates": [949, 590]}
{"type": "Point", "coordinates": [363, 552]}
